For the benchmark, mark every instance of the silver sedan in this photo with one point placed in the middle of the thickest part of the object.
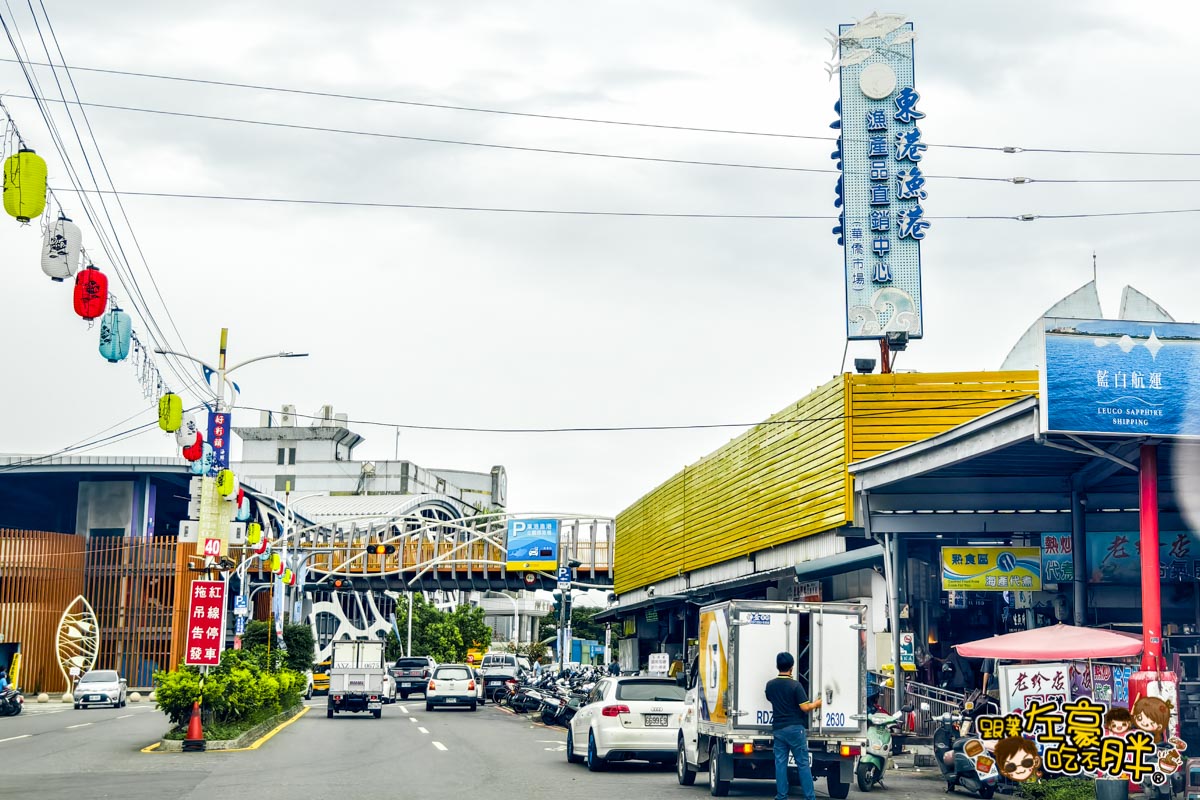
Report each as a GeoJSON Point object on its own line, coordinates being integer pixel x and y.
{"type": "Point", "coordinates": [100, 687]}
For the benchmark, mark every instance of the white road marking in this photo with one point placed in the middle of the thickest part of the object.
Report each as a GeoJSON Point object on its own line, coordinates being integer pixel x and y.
{"type": "Point", "coordinates": [125, 716]}
{"type": "Point", "coordinates": [439, 746]}
{"type": "Point", "coordinates": [402, 709]}
{"type": "Point", "coordinates": [14, 738]}
{"type": "Point", "coordinates": [80, 725]}
{"type": "Point", "coordinates": [412, 719]}
{"type": "Point", "coordinates": [422, 730]}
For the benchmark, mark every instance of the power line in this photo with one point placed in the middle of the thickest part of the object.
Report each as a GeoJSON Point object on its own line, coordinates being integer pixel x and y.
{"type": "Point", "coordinates": [595, 213]}
{"type": "Point", "coordinates": [104, 164]}
{"type": "Point", "coordinates": [77, 183]}
{"type": "Point", "coordinates": [581, 153]}
{"type": "Point", "coordinates": [590, 120]}
{"type": "Point", "coordinates": [621, 428]}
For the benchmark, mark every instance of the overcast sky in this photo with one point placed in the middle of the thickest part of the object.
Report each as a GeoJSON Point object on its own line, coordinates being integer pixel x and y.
{"type": "Point", "coordinates": [516, 320]}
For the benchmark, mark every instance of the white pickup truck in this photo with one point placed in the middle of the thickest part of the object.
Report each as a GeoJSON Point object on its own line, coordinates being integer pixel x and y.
{"type": "Point", "coordinates": [726, 723]}
{"type": "Point", "coordinates": [357, 678]}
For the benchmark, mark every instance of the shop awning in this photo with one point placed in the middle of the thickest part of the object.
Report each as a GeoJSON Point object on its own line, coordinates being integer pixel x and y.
{"type": "Point", "coordinates": [619, 612]}
{"type": "Point", "coordinates": [1054, 642]}
{"type": "Point", "coordinates": [862, 558]}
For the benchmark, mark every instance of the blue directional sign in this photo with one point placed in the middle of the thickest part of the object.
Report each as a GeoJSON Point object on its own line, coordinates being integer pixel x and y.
{"type": "Point", "coordinates": [564, 577]}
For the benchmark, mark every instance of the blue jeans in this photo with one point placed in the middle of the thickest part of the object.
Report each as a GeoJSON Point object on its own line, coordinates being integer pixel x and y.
{"type": "Point", "coordinates": [794, 739]}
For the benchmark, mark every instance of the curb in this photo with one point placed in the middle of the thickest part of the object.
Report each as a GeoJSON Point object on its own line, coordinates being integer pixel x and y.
{"type": "Point", "coordinates": [250, 740]}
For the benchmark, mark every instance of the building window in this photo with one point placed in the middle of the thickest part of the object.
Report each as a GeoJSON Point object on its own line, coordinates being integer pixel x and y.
{"type": "Point", "coordinates": [291, 455]}
{"type": "Point", "coordinates": [282, 481]}
{"type": "Point", "coordinates": [279, 459]}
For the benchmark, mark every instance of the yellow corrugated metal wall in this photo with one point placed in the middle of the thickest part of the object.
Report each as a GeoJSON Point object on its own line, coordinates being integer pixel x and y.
{"type": "Point", "coordinates": [786, 478]}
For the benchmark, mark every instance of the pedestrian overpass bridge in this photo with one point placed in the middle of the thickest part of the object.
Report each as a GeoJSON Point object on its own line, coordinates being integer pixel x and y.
{"type": "Point", "coordinates": [427, 549]}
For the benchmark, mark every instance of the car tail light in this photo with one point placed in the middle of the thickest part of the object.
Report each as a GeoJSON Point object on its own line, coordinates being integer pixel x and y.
{"type": "Point", "coordinates": [612, 711]}
{"type": "Point", "coordinates": [851, 750]}
{"type": "Point", "coordinates": [471, 685]}
{"type": "Point", "coordinates": [432, 685]}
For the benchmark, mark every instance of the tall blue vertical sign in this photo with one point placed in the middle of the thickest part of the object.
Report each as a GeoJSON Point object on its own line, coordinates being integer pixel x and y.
{"type": "Point", "coordinates": [881, 190]}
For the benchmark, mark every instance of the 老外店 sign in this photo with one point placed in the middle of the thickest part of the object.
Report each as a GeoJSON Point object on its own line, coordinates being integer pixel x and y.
{"type": "Point", "coordinates": [991, 569]}
{"type": "Point", "coordinates": [1117, 377]}
{"type": "Point", "coordinates": [532, 544]}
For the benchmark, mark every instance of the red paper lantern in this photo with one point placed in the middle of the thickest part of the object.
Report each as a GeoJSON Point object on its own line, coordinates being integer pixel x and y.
{"type": "Point", "coordinates": [195, 451]}
{"type": "Point", "coordinates": [91, 292]}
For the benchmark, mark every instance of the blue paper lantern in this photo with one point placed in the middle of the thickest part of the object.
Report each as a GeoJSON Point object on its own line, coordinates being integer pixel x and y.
{"type": "Point", "coordinates": [115, 333]}
{"type": "Point", "coordinates": [204, 464]}
{"type": "Point", "coordinates": [243, 512]}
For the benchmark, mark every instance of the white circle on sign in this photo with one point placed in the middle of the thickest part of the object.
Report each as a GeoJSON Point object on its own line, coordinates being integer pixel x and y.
{"type": "Point", "coordinates": [877, 81]}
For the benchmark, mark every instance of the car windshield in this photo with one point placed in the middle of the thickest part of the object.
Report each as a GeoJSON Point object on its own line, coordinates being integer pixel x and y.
{"type": "Point", "coordinates": [453, 674]}
{"type": "Point", "coordinates": [498, 661]}
{"type": "Point", "coordinates": [410, 663]}
{"type": "Point", "coordinates": [103, 676]}
{"type": "Point", "coordinates": [661, 691]}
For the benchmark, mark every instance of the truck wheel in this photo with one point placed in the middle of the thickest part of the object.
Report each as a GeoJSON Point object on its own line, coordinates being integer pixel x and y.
{"type": "Point", "coordinates": [329, 713]}
{"type": "Point", "coordinates": [837, 789]}
{"type": "Point", "coordinates": [683, 772]}
{"type": "Point", "coordinates": [866, 773]}
{"type": "Point", "coordinates": [377, 713]}
{"type": "Point", "coordinates": [718, 784]}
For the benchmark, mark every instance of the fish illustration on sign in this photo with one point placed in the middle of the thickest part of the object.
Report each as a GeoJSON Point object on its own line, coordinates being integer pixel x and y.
{"type": "Point", "coordinates": [849, 60]}
{"type": "Point", "coordinates": [904, 38]}
{"type": "Point", "coordinates": [876, 26]}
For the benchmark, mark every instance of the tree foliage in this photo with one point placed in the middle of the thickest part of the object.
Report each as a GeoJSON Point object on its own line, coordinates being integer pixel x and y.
{"type": "Point", "coordinates": [445, 636]}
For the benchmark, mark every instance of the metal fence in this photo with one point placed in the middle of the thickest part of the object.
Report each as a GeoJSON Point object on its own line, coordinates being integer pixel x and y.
{"type": "Point", "coordinates": [928, 702]}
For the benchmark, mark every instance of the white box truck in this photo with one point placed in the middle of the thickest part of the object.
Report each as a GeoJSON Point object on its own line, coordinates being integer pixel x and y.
{"type": "Point", "coordinates": [726, 724]}
{"type": "Point", "coordinates": [357, 677]}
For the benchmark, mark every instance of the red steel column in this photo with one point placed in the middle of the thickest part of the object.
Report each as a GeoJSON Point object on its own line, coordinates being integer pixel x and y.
{"type": "Point", "coordinates": [1151, 587]}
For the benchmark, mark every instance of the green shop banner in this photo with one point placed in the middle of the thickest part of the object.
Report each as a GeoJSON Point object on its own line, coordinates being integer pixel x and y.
{"type": "Point", "coordinates": [1115, 557]}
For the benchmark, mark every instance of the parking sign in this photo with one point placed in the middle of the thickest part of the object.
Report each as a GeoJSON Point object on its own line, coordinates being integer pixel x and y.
{"type": "Point", "coordinates": [564, 578]}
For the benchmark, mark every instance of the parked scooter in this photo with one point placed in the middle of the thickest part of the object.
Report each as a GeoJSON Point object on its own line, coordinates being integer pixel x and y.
{"type": "Point", "coordinates": [877, 756]}
{"type": "Point", "coordinates": [957, 767]}
{"type": "Point", "coordinates": [11, 703]}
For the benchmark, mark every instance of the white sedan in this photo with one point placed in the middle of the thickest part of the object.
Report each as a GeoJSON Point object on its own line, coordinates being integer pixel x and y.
{"type": "Point", "coordinates": [452, 685]}
{"type": "Point", "coordinates": [626, 718]}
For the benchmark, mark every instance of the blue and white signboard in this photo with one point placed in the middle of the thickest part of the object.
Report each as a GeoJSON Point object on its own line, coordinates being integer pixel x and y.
{"type": "Point", "coordinates": [532, 544]}
{"type": "Point", "coordinates": [1121, 378]}
{"type": "Point", "coordinates": [881, 190]}
{"type": "Point", "coordinates": [564, 578]}
{"type": "Point", "coordinates": [239, 626]}
{"type": "Point", "coordinates": [239, 605]}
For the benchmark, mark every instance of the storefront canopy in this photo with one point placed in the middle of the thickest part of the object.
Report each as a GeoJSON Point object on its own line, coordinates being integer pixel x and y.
{"type": "Point", "coordinates": [1054, 642]}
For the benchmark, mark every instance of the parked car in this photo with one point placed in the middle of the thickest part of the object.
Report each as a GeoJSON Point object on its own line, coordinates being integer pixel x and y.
{"type": "Point", "coordinates": [480, 693]}
{"type": "Point", "coordinates": [411, 674]}
{"type": "Point", "coordinates": [452, 685]}
{"type": "Point", "coordinates": [100, 687]}
{"type": "Point", "coordinates": [626, 718]}
{"type": "Point", "coordinates": [498, 669]}
{"type": "Point", "coordinates": [308, 684]}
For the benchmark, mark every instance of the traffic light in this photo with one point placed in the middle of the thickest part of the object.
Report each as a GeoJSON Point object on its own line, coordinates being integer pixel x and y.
{"type": "Point", "coordinates": [341, 585]}
{"type": "Point", "coordinates": [381, 549]}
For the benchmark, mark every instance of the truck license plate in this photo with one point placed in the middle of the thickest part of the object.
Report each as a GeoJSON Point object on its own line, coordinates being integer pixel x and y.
{"type": "Point", "coordinates": [792, 760]}
{"type": "Point", "coordinates": [372, 706]}
{"type": "Point", "coordinates": [656, 720]}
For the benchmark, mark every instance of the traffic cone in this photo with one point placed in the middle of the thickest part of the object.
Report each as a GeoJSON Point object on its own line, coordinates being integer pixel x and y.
{"type": "Point", "coordinates": [194, 742]}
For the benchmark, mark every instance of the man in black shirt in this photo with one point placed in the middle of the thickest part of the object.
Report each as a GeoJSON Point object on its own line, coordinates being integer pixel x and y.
{"type": "Point", "coordinates": [789, 725]}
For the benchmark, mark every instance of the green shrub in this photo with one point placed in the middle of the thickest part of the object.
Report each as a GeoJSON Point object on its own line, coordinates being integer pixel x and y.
{"type": "Point", "coordinates": [1059, 788]}
{"type": "Point", "coordinates": [242, 689]}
